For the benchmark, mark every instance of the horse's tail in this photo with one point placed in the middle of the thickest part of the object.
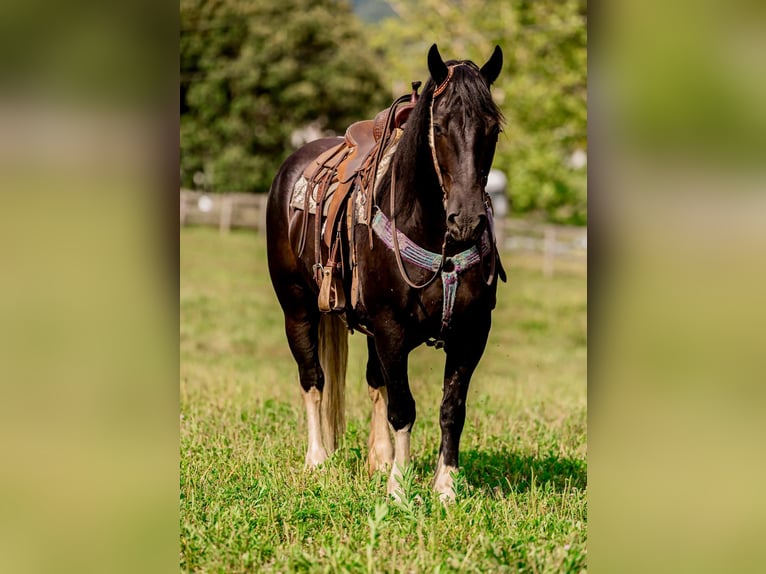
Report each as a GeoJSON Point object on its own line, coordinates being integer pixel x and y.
{"type": "Point", "coordinates": [333, 358]}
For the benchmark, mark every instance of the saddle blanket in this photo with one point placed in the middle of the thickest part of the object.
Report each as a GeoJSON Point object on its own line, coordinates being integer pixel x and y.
{"type": "Point", "coordinates": [298, 199]}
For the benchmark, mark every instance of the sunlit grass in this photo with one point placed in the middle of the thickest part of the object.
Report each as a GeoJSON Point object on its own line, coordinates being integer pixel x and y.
{"type": "Point", "coordinates": [246, 503]}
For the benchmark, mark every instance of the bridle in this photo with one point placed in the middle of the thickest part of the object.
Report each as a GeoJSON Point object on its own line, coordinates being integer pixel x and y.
{"type": "Point", "coordinates": [437, 168]}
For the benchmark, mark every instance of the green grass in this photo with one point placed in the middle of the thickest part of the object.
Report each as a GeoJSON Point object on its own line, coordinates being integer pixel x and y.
{"type": "Point", "coordinates": [248, 505]}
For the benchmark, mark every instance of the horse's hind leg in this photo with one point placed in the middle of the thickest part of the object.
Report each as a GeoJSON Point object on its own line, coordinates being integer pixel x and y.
{"type": "Point", "coordinates": [381, 453]}
{"type": "Point", "coordinates": [319, 344]}
{"type": "Point", "coordinates": [302, 336]}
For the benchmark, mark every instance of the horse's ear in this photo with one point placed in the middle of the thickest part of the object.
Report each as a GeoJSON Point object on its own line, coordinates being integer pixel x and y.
{"type": "Point", "coordinates": [436, 66]}
{"type": "Point", "coordinates": [491, 70]}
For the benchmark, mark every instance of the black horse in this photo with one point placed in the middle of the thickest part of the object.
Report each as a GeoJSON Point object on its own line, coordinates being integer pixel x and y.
{"type": "Point", "coordinates": [426, 269]}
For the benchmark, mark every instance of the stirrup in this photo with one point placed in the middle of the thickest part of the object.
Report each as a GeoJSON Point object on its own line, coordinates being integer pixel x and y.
{"type": "Point", "coordinates": [331, 294]}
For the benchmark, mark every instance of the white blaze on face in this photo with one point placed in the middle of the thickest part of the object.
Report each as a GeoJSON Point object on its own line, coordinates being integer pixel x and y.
{"type": "Point", "coordinates": [443, 482]}
{"type": "Point", "coordinates": [381, 453]}
{"type": "Point", "coordinates": [401, 460]}
{"type": "Point", "coordinates": [316, 453]}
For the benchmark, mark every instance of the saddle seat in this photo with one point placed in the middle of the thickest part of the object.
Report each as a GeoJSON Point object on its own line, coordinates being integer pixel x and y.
{"type": "Point", "coordinates": [360, 140]}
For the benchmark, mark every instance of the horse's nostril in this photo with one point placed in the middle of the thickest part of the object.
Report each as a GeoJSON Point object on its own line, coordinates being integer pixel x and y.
{"type": "Point", "coordinates": [452, 218]}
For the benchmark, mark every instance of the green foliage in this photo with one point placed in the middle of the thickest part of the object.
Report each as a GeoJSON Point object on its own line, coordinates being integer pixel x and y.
{"type": "Point", "coordinates": [246, 505]}
{"type": "Point", "coordinates": [252, 73]}
{"type": "Point", "coordinates": [372, 10]}
{"type": "Point", "coordinates": [542, 89]}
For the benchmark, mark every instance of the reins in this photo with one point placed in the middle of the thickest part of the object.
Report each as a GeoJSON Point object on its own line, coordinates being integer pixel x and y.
{"type": "Point", "coordinates": [381, 151]}
{"type": "Point", "coordinates": [395, 242]}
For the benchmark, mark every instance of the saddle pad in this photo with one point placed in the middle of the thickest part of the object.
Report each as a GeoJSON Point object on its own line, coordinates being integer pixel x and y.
{"type": "Point", "coordinates": [298, 199]}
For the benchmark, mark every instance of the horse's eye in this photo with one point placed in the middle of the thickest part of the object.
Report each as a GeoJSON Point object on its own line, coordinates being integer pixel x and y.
{"type": "Point", "coordinates": [438, 130]}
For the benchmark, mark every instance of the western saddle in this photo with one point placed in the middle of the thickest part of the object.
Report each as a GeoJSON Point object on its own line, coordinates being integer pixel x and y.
{"type": "Point", "coordinates": [350, 166]}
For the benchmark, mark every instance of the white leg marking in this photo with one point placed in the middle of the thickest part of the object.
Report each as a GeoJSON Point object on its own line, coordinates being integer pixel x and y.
{"type": "Point", "coordinates": [443, 483]}
{"type": "Point", "coordinates": [401, 460]}
{"type": "Point", "coordinates": [381, 453]}
{"type": "Point", "coordinates": [316, 453]}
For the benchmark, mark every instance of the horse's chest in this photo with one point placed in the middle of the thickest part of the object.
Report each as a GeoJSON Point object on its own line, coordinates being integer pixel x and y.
{"type": "Point", "coordinates": [452, 297]}
{"type": "Point", "coordinates": [448, 291]}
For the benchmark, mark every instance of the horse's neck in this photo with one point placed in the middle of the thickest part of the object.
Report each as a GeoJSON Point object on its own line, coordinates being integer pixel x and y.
{"type": "Point", "coordinates": [419, 210]}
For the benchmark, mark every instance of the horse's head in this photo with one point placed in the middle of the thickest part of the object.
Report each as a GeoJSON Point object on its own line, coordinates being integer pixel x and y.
{"type": "Point", "coordinates": [465, 123]}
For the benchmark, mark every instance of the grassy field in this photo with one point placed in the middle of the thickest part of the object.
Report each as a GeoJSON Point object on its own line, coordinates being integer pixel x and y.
{"type": "Point", "coordinates": [247, 505]}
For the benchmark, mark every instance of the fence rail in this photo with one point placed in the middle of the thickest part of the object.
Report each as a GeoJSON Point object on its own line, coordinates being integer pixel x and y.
{"type": "Point", "coordinates": [248, 210]}
{"type": "Point", "coordinates": [224, 210]}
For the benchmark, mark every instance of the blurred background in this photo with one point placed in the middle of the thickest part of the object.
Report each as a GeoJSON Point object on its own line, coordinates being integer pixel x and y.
{"type": "Point", "coordinates": [677, 230]}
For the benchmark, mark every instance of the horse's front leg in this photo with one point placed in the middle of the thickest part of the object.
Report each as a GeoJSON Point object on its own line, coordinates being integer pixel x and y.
{"type": "Point", "coordinates": [463, 353]}
{"type": "Point", "coordinates": [393, 353]}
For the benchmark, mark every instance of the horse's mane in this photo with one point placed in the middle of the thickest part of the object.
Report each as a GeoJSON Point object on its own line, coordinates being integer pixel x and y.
{"type": "Point", "coordinates": [468, 90]}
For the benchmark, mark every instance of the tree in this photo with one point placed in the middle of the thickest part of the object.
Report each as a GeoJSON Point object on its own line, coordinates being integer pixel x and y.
{"type": "Point", "coordinates": [542, 90]}
{"type": "Point", "coordinates": [252, 73]}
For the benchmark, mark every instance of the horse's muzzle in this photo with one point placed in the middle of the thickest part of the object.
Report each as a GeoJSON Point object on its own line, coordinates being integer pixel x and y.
{"type": "Point", "coordinates": [465, 229]}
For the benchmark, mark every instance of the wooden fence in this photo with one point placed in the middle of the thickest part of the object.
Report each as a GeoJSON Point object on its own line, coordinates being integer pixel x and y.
{"type": "Point", "coordinates": [559, 245]}
{"type": "Point", "coordinates": [224, 210]}
{"type": "Point", "coordinates": [248, 210]}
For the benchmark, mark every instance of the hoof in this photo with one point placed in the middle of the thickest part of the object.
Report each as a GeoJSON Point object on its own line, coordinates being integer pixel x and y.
{"type": "Point", "coordinates": [376, 463]}
{"type": "Point", "coordinates": [394, 487]}
{"type": "Point", "coordinates": [381, 453]}
{"type": "Point", "coordinates": [447, 497]}
{"type": "Point", "coordinates": [396, 495]}
{"type": "Point", "coordinates": [444, 483]}
{"type": "Point", "coordinates": [315, 458]}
